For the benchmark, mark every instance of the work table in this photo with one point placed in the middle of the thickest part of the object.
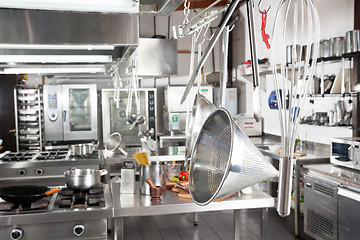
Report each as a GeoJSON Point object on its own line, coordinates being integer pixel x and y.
{"type": "Point", "coordinates": [126, 205]}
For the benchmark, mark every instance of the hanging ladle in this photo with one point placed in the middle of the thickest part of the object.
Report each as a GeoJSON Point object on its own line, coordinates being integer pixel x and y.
{"type": "Point", "coordinates": [133, 118]}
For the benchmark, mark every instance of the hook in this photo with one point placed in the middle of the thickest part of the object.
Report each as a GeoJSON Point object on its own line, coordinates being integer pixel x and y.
{"type": "Point", "coordinates": [261, 12]}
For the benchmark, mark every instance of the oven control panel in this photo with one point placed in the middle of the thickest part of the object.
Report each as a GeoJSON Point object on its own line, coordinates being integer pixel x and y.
{"type": "Point", "coordinates": [151, 111]}
{"type": "Point", "coordinates": [52, 102]}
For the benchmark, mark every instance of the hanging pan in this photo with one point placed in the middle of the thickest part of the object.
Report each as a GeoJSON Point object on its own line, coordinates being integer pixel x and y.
{"type": "Point", "coordinates": [24, 195]}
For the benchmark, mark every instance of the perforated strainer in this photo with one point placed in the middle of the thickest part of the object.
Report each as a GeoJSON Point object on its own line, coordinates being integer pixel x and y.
{"type": "Point", "coordinates": [224, 160]}
{"type": "Point", "coordinates": [202, 108]}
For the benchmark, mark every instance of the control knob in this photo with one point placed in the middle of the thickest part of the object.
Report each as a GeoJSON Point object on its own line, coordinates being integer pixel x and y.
{"type": "Point", "coordinates": [16, 234]}
{"type": "Point", "coordinates": [79, 230]}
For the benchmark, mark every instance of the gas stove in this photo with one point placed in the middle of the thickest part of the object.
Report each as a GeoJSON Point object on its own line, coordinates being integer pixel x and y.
{"type": "Point", "coordinates": [47, 155]}
{"type": "Point", "coordinates": [46, 165]}
{"type": "Point", "coordinates": [65, 199]}
{"type": "Point", "coordinates": [67, 215]}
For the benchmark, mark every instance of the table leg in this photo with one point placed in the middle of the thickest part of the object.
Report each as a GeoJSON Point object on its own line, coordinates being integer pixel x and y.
{"type": "Point", "coordinates": [263, 222]}
{"type": "Point", "coordinates": [196, 218]}
{"type": "Point", "coordinates": [297, 199]}
{"type": "Point", "coordinates": [237, 224]}
{"type": "Point", "coordinates": [119, 228]}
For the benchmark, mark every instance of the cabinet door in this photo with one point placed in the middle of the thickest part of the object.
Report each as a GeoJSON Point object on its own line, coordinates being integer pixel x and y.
{"type": "Point", "coordinates": [80, 108]}
{"type": "Point", "coordinates": [348, 214]}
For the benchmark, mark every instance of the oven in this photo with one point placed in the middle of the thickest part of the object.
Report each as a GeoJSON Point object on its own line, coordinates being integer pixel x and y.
{"type": "Point", "coordinates": [346, 152]}
{"type": "Point", "coordinates": [114, 115]}
{"type": "Point", "coordinates": [70, 112]}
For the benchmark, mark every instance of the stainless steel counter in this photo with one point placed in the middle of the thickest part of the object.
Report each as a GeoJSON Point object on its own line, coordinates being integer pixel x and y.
{"type": "Point", "coordinates": [161, 155]}
{"type": "Point", "coordinates": [126, 205]}
{"type": "Point", "coordinates": [311, 149]}
{"type": "Point", "coordinates": [346, 175]}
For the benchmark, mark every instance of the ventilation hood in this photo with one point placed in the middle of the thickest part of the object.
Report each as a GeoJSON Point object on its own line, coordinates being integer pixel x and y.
{"type": "Point", "coordinates": [71, 32]}
{"type": "Point", "coordinates": [66, 36]}
{"type": "Point", "coordinates": [157, 7]}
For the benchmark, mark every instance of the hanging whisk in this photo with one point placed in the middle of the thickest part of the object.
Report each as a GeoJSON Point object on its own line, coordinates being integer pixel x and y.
{"type": "Point", "coordinates": [296, 29]}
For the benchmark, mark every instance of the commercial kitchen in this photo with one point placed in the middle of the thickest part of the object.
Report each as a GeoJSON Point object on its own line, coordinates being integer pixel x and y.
{"type": "Point", "coordinates": [179, 119]}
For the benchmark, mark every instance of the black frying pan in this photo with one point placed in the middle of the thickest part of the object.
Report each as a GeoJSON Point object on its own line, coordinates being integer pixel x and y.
{"type": "Point", "coordinates": [25, 195]}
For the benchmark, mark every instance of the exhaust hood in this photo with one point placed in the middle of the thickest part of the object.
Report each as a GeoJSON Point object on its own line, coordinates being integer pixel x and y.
{"type": "Point", "coordinates": [45, 34]}
{"type": "Point", "coordinates": [33, 36]}
{"type": "Point", "coordinates": [109, 6]}
{"type": "Point", "coordinates": [156, 7]}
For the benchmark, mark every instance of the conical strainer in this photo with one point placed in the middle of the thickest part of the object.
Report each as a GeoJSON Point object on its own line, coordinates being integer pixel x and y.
{"type": "Point", "coordinates": [224, 160]}
{"type": "Point", "coordinates": [202, 108]}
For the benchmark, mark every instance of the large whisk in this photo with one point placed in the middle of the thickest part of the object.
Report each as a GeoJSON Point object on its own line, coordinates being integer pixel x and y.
{"type": "Point", "coordinates": [296, 26]}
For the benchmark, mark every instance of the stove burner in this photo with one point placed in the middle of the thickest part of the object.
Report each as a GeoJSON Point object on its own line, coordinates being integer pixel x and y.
{"type": "Point", "coordinates": [66, 199]}
{"type": "Point", "coordinates": [53, 155]}
{"type": "Point", "coordinates": [69, 198]}
{"type": "Point", "coordinates": [18, 156]}
{"type": "Point", "coordinates": [49, 155]}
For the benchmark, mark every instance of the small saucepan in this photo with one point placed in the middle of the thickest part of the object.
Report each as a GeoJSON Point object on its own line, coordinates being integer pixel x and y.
{"type": "Point", "coordinates": [82, 149]}
{"type": "Point", "coordinates": [24, 195]}
{"type": "Point", "coordinates": [83, 179]}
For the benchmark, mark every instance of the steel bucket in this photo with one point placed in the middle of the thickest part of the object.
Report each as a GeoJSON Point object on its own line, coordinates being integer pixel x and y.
{"type": "Point", "coordinates": [202, 108]}
{"type": "Point", "coordinates": [224, 160]}
{"type": "Point", "coordinates": [155, 171]}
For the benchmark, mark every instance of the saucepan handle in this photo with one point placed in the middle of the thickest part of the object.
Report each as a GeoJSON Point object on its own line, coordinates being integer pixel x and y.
{"type": "Point", "coordinates": [55, 190]}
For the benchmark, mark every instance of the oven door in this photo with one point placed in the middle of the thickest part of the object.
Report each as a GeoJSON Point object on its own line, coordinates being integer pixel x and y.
{"type": "Point", "coordinates": [80, 112]}
{"type": "Point", "coordinates": [348, 220]}
{"type": "Point", "coordinates": [114, 118]}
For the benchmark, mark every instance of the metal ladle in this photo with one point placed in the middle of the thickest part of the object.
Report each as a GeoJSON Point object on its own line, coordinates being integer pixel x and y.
{"type": "Point", "coordinates": [133, 118]}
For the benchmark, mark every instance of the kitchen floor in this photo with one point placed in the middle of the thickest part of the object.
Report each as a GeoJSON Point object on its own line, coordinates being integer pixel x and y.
{"type": "Point", "coordinates": [212, 226]}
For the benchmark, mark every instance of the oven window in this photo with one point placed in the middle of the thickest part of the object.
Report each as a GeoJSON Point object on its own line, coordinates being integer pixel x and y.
{"type": "Point", "coordinates": [340, 151]}
{"type": "Point", "coordinates": [118, 119]}
{"type": "Point", "coordinates": [79, 110]}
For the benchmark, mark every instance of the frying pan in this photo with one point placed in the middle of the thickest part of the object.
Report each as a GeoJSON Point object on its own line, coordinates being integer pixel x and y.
{"type": "Point", "coordinates": [25, 195]}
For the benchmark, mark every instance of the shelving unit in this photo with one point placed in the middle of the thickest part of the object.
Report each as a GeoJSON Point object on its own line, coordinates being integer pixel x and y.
{"type": "Point", "coordinates": [29, 119]}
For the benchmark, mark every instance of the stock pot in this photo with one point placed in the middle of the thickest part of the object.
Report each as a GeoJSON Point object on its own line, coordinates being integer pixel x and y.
{"type": "Point", "coordinates": [83, 179]}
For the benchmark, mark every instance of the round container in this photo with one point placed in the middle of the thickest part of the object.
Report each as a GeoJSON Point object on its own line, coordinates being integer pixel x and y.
{"type": "Point", "coordinates": [356, 40]}
{"type": "Point", "coordinates": [155, 171]}
{"type": "Point", "coordinates": [336, 47]}
{"type": "Point", "coordinates": [348, 42]}
{"type": "Point", "coordinates": [87, 149]}
{"type": "Point", "coordinates": [77, 149]}
{"type": "Point", "coordinates": [325, 49]}
{"type": "Point", "coordinates": [83, 179]}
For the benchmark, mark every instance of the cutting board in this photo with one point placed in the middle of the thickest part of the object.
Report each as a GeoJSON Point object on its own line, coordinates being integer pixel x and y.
{"type": "Point", "coordinates": [297, 154]}
{"type": "Point", "coordinates": [184, 194]}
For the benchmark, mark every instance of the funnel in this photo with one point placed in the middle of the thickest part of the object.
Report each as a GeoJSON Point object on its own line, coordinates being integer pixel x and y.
{"type": "Point", "coordinates": [201, 110]}
{"type": "Point", "coordinates": [224, 160]}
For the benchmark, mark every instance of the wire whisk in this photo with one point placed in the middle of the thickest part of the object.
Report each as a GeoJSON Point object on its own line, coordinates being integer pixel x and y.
{"type": "Point", "coordinates": [296, 29]}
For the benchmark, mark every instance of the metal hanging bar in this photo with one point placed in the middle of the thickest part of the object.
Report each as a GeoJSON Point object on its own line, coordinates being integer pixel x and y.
{"type": "Point", "coordinates": [222, 24]}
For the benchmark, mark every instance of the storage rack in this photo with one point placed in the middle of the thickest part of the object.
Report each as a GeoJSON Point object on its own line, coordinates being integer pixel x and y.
{"type": "Point", "coordinates": [29, 119]}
